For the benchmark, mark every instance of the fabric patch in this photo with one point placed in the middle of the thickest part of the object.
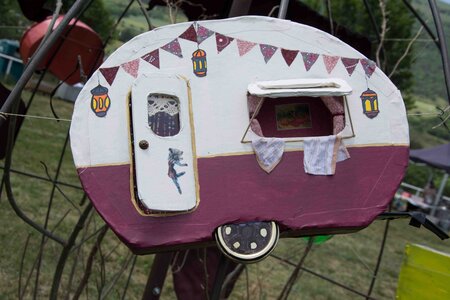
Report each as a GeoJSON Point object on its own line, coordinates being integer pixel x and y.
{"type": "Point", "coordinates": [190, 34]}
{"type": "Point", "coordinates": [222, 41]}
{"type": "Point", "coordinates": [131, 67]}
{"type": "Point", "coordinates": [269, 152]}
{"type": "Point", "coordinates": [330, 62]}
{"type": "Point", "coordinates": [203, 33]}
{"type": "Point", "coordinates": [152, 58]}
{"type": "Point", "coordinates": [244, 46]}
{"type": "Point", "coordinates": [350, 64]}
{"type": "Point", "coordinates": [368, 66]}
{"type": "Point", "coordinates": [267, 51]}
{"type": "Point", "coordinates": [322, 153]}
{"type": "Point", "coordinates": [256, 128]}
{"type": "Point", "coordinates": [109, 74]}
{"type": "Point", "coordinates": [289, 55]}
{"type": "Point", "coordinates": [309, 59]}
{"type": "Point", "coordinates": [252, 103]}
{"type": "Point", "coordinates": [174, 48]}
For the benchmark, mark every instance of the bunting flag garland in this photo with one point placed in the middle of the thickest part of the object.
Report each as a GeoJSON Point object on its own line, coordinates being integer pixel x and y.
{"type": "Point", "coordinates": [203, 33]}
{"type": "Point", "coordinates": [267, 51]}
{"type": "Point", "coordinates": [109, 74]}
{"type": "Point", "coordinates": [222, 41]}
{"type": "Point", "coordinates": [190, 34]}
{"type": "Point", "coordinates": [309, 59]}
{"type": "Point", "coordinates": [131, 67]}
{"type": "Point", "coordinates": [174, 48]}
{"type": "Point", "coordinates": [330, 62]}
{"type": "Point", "coordinates": [350, 64]}
{"type": "Point", "coordinates": [152, 58]}
{"type": "Point", "coordinates": [368, 66]}
{"type": "Point", "coordinates": [244, 46]}
{"type": "Point", "coordinates": [289, 55]}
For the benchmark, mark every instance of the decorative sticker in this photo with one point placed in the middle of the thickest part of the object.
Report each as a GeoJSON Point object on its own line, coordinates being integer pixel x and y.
{"type": "Point", "coordinates": [100, 101]}
{"type": "Point", "coordinates": [369, 101]}
{"type": "Point", "coordinates": [289, 55]}
{"type": "Point", "coordinates": [222, 41]}
{"type": "Point", "coordinates": [244, 46]}
{"type": "Point", "coordinates": [267, 51]}
{"type": "Point", "coordinates": [175, 158]}
{"type": "Point", "coordinates": [309, 59]}
{"type": "Point", "coordinates": [199, 63]}
{"type": "Point", "coordinates": [174, 48]}
{"type": "Point", "coordinates": [152, 58]}
{"type": "Point", "coordinates": [330, 62]}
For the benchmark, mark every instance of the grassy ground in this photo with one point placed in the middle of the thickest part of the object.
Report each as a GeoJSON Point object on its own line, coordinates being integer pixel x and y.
{"type": "Point", "coordinates": [348, 259]}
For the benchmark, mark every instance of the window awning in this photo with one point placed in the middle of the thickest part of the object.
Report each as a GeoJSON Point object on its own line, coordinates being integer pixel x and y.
{"type": "Point", "coordinates": [300, 87]}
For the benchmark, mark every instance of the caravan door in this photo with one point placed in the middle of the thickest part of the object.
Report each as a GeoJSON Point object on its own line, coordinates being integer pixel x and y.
{"type": "Point", "coordinates": [165, 162]}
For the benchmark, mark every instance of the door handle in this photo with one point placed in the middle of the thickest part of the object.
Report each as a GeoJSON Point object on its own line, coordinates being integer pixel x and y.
{"type": "Point", "coordinates": [143, 144]}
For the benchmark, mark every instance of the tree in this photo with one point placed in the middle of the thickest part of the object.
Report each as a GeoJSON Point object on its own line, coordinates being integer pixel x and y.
{"type": "Point", "coordinates": [399, 25]}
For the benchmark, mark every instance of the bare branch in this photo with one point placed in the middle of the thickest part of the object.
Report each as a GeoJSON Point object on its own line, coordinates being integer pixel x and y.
{"type": "Point", "coordinates": [408, 48]}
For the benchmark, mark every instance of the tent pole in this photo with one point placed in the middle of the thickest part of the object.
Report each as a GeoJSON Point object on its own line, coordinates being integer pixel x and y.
{"type": "Point", "coordinates": [439, 194]}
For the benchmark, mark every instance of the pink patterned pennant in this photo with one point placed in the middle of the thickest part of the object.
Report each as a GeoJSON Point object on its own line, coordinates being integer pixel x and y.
{"type": "Point", "coordinates": [368, 66]}
{"type": "Point", "coordinates": [350, 64]}
{"type": "Point", "coordinates": [203, 33]}
{"type": "Point", "coordinates": [267, 51]}
{"type": "Point", "coordinates": [330, 62]}
{"type": "Point", "coordinates": [152, 58]}
{"type": "Point", "coordinates": [174, 48]}
{"type": "Point", "coordinates": [244, 46]}
{"type": "Point", "coordinates": [109, 74]}
{"type": "Point", "coordinates": [222, 41]}
{"type": "Point", "coordinates": [190, 34]}
{"type": "Point", "coordinates": [131, 67]}
{"type": "Point", "coordinates": [309, 59]}
{"type": "Point", "coordinates": [289, 55]}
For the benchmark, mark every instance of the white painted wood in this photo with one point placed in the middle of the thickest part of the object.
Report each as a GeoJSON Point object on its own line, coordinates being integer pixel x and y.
{"type": "Point", "coordinates": [154, 186]}
{"type": "Point", "coordinates": [313, 87]}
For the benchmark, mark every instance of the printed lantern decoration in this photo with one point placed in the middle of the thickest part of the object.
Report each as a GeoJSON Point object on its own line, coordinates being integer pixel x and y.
{"type": "Point", "coordinates": [370, 103]}
{"type": "Point", "coordinates": [100, 101]}
{"type": "Point", "coordinates": [199, 62]}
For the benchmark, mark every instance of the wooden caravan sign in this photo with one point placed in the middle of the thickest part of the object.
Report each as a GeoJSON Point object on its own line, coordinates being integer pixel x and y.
{"type": "Point", "coordinates": [196, 125]}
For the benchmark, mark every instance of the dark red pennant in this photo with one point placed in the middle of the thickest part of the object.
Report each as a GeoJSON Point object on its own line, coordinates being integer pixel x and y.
{"type": "Point", "coordinates": [109, 74]}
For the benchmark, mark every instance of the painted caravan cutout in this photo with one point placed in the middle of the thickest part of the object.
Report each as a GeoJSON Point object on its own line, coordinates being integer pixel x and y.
{"type": "Point", "coordinates": [163, 139]}
{"type": "Point", "coordinates": [174, 158]}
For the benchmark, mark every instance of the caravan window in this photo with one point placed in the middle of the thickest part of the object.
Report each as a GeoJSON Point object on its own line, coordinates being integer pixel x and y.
{"type": "Point", "coordinates": [303, 108]}
{"type": "Point", "coordinates": [164, 114]}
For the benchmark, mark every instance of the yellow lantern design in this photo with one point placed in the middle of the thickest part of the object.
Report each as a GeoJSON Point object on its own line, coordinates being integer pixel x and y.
{"type": "Point", "coordinates": [370, 103]}
{"type": "Point", "coordinates": [199, 62]}
{"type": "Point", "coordinates": [100, 101]}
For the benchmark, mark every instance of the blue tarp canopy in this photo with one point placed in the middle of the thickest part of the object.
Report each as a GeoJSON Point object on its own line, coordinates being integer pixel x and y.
{"type": "Point", "coordinates": [438, 157]}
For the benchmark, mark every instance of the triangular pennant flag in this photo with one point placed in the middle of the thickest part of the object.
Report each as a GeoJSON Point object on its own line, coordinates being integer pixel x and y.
{"type": "Point", "coordinates": [222, 41]}
{"type": "Point", "coordinates": [267, 51]}
{"type": "Point", "coordinates": [203, 33]}
{"type": "Point", "coordinates": [289, 55]}
{"type": "Point", "coordinates": [109, 74]}
{"type": "Point", "coordinates": [152, 58]}
{"type": "Point", "coordinates": [368, 66]}
{"type": "Point", "coordinates": [244, 46]}
{"type": "Point", "coordinates": [174, 48]}
{"type": "Point", "coordinates": [131, 67]}
{"type": "Point", "coordinates": [309, 59]}
{"type": "Point", "coordinates": [190, 34]}
{"type": "Point", "coordinates": [350, 64]}
{"type": "Point", "coordinates": [269, 152]}
{"type": "Point", "coordinates": [330, 62]}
